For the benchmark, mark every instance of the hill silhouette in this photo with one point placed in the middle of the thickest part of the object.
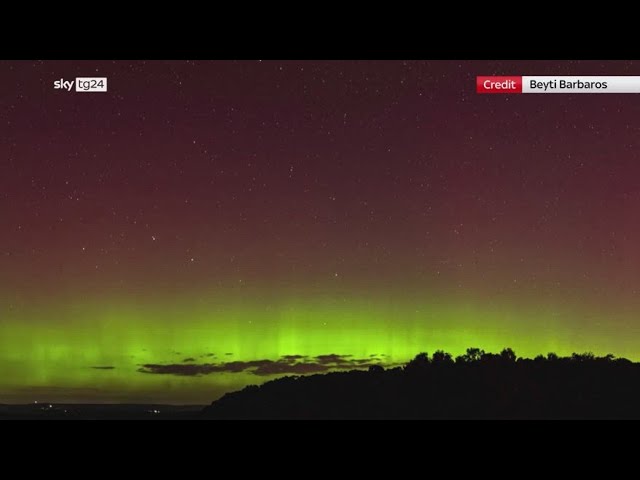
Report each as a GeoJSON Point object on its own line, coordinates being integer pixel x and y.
{"type": "Point", "coordinates": [476, 385]}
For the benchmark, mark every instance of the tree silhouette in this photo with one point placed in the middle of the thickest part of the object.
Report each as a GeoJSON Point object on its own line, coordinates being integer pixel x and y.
{"type": "Point", "coordinates": [508, 355]}
{"type": "Point", "coordinates": [441, 357]}
{"type": "Point", "coordinates": [420, 361]}
{"type": "Point", "coordinates": [582, 357]}
{"type": "Point", "coordinates": [473, 355]}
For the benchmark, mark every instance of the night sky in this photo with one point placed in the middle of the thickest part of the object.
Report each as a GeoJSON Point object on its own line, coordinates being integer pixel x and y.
{"type": "Point", "coordinates": [205, 225]}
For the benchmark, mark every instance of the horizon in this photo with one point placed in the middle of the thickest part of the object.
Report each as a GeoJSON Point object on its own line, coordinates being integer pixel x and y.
{"type": "Point", "coordinates": [480, 356]}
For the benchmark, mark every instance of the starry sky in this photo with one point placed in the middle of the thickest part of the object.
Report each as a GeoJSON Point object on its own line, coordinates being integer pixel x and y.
{"type": "Point", "coordinates": [205, 225]}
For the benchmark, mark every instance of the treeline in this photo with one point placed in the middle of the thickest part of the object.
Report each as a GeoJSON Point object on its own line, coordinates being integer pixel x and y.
{"type": "Point", "coordinates": [507, 355]}
{"type": "Point", "coordinates": [476, 384]}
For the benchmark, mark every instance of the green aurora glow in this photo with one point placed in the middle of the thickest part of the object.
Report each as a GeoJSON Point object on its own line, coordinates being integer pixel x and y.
{"type": "Point", "coordinates": [50, 357]}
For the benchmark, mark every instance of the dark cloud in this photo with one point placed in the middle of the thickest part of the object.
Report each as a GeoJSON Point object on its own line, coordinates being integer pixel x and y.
{"type": "Point", "coordinates": [332, 358]}
{"type": "Point", "coordinates": [238, 366]}
{"type": "Point", "coordinates": [293, 358]}
{"type": "Point", "coordinates": [362, 360]}
{"type": "Point", "coordinates": [355, 366]}
{"type": "Point", "coordinates": [283, 367]}
{"type": "Point", "coordinates": [287, 364]}
{"type": "Point", "coordinates": [106, 367]}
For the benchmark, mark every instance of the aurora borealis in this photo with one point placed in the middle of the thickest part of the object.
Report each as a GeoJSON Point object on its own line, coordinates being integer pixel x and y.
{"type": "Point", "coordinates": [204, 225]}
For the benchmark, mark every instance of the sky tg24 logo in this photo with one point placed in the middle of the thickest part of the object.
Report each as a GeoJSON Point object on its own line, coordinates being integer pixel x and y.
{"type": "Point", "coordinates": [82, 84]}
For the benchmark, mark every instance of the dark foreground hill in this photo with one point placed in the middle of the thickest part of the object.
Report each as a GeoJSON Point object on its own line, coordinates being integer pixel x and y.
{"type": "Point", "coordinates": [473, 386]}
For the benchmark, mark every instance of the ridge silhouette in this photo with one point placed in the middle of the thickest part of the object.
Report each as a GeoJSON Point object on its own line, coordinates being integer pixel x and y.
{"type": "Point", "coordinates": [476, 385]}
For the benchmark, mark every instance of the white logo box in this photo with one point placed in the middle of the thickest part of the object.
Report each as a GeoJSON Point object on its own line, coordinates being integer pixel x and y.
{"type": "Point", "coordinates": [91, 84]}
